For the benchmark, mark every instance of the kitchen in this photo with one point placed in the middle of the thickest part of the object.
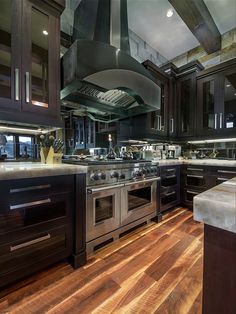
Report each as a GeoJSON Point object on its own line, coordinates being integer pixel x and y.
{"type": "Point", "coordinates": [117, 156]}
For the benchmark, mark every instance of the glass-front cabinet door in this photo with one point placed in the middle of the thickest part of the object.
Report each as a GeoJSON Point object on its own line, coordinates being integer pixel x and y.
{"type": "Point", "coordinates": [10, 61]}
{"type": "Point", "coordinates": [40, 73]}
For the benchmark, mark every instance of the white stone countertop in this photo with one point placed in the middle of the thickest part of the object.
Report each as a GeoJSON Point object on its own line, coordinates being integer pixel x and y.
{"type": "Point", "coordinates": [217, 207]}
{"type": "Point", "coordinates": [200, 162]}
{"type": "Point", "coordinates": [22, 170]}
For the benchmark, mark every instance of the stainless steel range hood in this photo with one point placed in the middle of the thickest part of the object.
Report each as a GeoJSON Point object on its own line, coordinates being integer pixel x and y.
{"type": "Point", "coordinates": [103, 80]}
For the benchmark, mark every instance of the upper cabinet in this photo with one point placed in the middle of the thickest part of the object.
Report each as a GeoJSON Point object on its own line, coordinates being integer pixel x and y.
{"type": "Point", "coordinates": [29, 61]}
{"type": "Point", "coordinates": [216, 89]}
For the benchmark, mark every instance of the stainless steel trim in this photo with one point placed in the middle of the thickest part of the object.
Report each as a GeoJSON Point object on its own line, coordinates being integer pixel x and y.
{"type": "Point", "coordinates": [172, 125]}
{"type": "Point", "coordinates": [31, 188]}
{"type": "Point", "coordinates": [170, 177]}
{"type": "Point", "coordinates": [215, 121]}
{"type": "Point", "coordinates": [225, 171]}
{"type": "Point", "coordinates": [172, 169]}
{"type": "Point", "coordinates": [194, 176]}
{"type": "Point", "coordinates": [143, 181]}
{"type": "Point", "coordinates": [191, 192]}
{"type": "Point", "coordinates": [18, 206]}
{"type": "Point", "coordinates": [195, 169]}
{"type": "Point", "coordinates": [17, 84]}
{"type": "Point", "coordinates": [27, 89]}
{"type": "Point", "coordinates": [221, 120]}
{"type": "Point", "coordinates": [223, 179]}
{"type": "Point", "coordinates": [28, 243]}
{"type": "Point", "coordinates": [104, 188]}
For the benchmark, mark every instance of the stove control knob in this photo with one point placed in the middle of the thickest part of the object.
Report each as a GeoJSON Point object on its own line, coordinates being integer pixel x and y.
{"type": "Point", "coordinates": [115, 175]}
{"type": "Point", "coordinates": [122, 176]}
{"type": "Point", "coordinates": [103, 176]}
{"type": "Point", "coordinates": [94, 176]}
{"type": "Point", "coordinates": [139, 173]}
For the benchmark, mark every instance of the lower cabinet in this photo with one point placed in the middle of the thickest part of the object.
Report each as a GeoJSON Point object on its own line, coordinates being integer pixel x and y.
{"type": "Point", "coordinates": [36, 226]}
{"type": "Point", "coordinates": [170, 187]}
{"type": "Point", "coordinates": [197, 179]}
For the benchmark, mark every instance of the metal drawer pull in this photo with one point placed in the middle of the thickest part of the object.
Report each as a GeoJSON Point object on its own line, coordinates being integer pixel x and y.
{"type": "Point", "coordinates": [215, 121]}
{"type": "Point", "coordinates": [158, 123]}
{"type": "Point", "coordinates": [191, 192]}
{"type": "Point", "coordinates": [91, 191]}
{"type": "Point", "coordinates": [221, 120]}
{"type": "Point", "coordinates": [31, 188]}
{"type": "Point", "coordinates": [225, 171]}
{"type": "Point", "coordinates": [222, 179]}
{"type": "Point", "coordinates": [194, 176]}
{"type": "Point", "coordinates": [18, 206]}
{"type": "Point", "coordinates": [28, 243]}
{"type": "Point", "coordinates": [17, 84]}
{"type": "Point", "coordinates": [142, 182]}
{"type": "Point", "coordinates": [172, 125]}
{"type": "Point", "coordinates": [170, 193]}
{"type": "Point", "coordinates": [172, 169]}
{"type": "Point", "coordinates": [27, 82]}
{"type": "Point", "coordinates": [195, 169]}
{"type": "Point", "coordinates": [170, 177]}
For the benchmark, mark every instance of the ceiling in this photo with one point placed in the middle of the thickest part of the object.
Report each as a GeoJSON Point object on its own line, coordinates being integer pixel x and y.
{"type": "Point", "coordinates": [170, 36]}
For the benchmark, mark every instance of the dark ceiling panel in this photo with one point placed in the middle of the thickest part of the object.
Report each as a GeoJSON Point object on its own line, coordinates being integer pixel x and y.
{"type": "Point", "coordinates": [198, 19]}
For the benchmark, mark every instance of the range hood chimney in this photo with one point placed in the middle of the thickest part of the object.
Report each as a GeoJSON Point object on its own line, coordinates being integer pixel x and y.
{"type": "Point", "coordinates": [99, 75]}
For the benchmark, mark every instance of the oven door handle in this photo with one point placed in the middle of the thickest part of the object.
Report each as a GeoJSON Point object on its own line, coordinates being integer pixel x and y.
{"type": "Point", "coordinates": [143, 181]}
{"type": "Point", "coordinates": [104, 188]}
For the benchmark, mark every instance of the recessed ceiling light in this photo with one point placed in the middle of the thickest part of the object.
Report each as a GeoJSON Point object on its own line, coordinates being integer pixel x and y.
{"type": "Point", "coordinates": [45, 32]}
{"type": "Point", "coordinates": [228, 85]}
{"type": "Point", "coordinates": [169, 13]}
{"type": "Point", "coordinates": [234, 94]}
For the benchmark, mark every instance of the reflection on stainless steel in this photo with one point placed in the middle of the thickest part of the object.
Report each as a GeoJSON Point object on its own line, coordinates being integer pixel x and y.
{"type": "Point", "coordinates": [119, 195]}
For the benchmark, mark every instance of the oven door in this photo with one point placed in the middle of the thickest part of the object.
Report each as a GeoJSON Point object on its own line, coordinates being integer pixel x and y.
{"type": "Point", "coordinates": [138, 199]}
{"type": "Point", "coordinates": [103, 211]}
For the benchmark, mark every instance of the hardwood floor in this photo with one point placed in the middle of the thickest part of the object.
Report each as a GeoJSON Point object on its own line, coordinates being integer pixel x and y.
{"type": "Point", "coordinates": [154, 270]}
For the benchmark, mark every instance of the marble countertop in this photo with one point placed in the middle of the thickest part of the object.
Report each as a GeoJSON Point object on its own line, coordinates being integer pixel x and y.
{"type": "Point", "coordinates": [200, 162]}
{"type": "Point", "coordinates": [217, 206]}
{"type": "Point", "coordinates": [22, 170]}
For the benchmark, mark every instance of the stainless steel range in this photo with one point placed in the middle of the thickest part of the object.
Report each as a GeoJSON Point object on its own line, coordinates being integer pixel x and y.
{"type": "Point", "coordinates": [120, 196]}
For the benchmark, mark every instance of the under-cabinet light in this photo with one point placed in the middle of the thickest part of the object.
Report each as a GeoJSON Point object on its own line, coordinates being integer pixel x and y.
{"type": "Point", "coordinates": [45, 32]}
{"type": "Point", "coordinates": [25, 130]}
{"type": "Point", "coordinates": [218, 140]}
{"type": "Point", "coordinates": [228, 85]}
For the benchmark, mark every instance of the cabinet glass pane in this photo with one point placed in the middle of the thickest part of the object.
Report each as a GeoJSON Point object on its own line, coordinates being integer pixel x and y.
{"type": "Point", "coordinates": [230, 101]}
{"type": "Point", "coordinates": [5, 49]}
{"type": "Point", "coordinates": [185, 106]}
{"type": "Point", "coordinates": [39, 78]}
{"type": "Point", "coordinates": [208, 105]}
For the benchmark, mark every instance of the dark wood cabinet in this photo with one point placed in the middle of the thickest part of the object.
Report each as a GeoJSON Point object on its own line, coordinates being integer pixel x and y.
{"type": "Point", "coordinates": [216, 97]}
{"type": "Point", "coordinates": [169, 187]}
{"type": "Point", "coordinates": [36, 224]}
{"type": "Point", "coordinates": [29, 61]}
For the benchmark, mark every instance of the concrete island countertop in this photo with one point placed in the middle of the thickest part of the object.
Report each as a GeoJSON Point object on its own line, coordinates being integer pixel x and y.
{"type": "Point", "coordinates": [22, 170]}
{"type": "Point", "coordinates": [217, 207]}
{"type": "Point", "coordinates": [200, 162]}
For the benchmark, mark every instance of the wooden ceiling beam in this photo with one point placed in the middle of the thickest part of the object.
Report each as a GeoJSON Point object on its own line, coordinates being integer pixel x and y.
{"type": "Point", "coordinates": [197, 17]}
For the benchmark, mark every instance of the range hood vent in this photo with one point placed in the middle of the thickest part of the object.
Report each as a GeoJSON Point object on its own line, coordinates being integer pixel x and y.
{"type": "Point", "coordinates": [103, 79]}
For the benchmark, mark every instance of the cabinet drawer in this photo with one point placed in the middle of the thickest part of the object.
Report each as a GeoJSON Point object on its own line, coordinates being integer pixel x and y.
{"type": "Point", "coordinates": [169, 197]}
{"type": "Point", "coordinates": [18, 215]}
{"type": "Point", "coordinates": [168, 171]}
{"type": "Point", "coordinates": [36, 187]}
{"type": "Point", "coordinates": [20, 253]}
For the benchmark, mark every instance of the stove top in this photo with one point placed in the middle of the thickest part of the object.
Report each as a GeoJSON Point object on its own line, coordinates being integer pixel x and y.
{"type": "Point", "coordinates": [104, 162]}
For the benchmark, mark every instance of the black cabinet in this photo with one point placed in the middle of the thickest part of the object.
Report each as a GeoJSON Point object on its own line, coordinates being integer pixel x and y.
{"type": "Point", "coordinates": [29, 61]}
{"type": "Point", "coordinates": [170, 187]}
{"type": "Point", "coordinates": [36, 224]}
{"type": "Point", "coordinates": [216, 99]}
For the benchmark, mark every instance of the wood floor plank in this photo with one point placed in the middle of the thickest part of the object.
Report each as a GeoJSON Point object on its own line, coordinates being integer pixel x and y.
{"type": "Point", "coordinates": [155, 269]}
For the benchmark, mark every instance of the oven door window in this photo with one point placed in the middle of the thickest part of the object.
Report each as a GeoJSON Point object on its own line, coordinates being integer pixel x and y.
{"type": "Point", "coordinates": [104, 208]}
{"type": "Point", "coordinates": [139, 197]}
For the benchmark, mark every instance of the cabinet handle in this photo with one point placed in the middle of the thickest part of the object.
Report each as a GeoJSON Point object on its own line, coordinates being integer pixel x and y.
{"type": "Point", "coordinates": [28, 243]}
{"type": "Point", "coordinates": [194, 176]}
{"type": "Point", "coordinates": [31, 188]}
{"type": "Point", "coordinates": [17, 84]}
{"type": "Point", "coordinates": [221, 120]}
{"type": "Point", "coordinates": [195, 169]}
{"type": "Point", "coordinates": [215, 121]}
{"type": "Point", "coordinates": [170, 193]}
{"type": "Point", "coordinates": [159, 123]}
{"type": "Point", "coordinates": [18, 206]}
{"type": "Point", "coordinates": [222, 179]}
{"type": "Point", "coordinates": [170, 177]}
{"type": "Point", "coordinates": [27, 91]}
{"type": "Point", "coordinates": [191, 192]}
{"type": "Point", "coordinates": [225, 171]}
{"type": "Point", "coordinates": [172, 125]}
{"type": "Point", "coordinates": [172, 169]}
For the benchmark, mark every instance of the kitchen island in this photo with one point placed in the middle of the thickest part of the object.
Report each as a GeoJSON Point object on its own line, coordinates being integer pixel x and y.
{"type": "Point", "coordinates": [216, 208]}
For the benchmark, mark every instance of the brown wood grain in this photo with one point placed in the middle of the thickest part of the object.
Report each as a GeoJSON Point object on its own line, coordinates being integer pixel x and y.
{"type": "Point", "coordinates": [154, 269]}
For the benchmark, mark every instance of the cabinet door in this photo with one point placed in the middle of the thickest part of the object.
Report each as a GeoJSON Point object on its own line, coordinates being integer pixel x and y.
{"type": "Point", "coordinates": [40, 59]}
{"type": "Point", "coordinates": [10, 57]}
